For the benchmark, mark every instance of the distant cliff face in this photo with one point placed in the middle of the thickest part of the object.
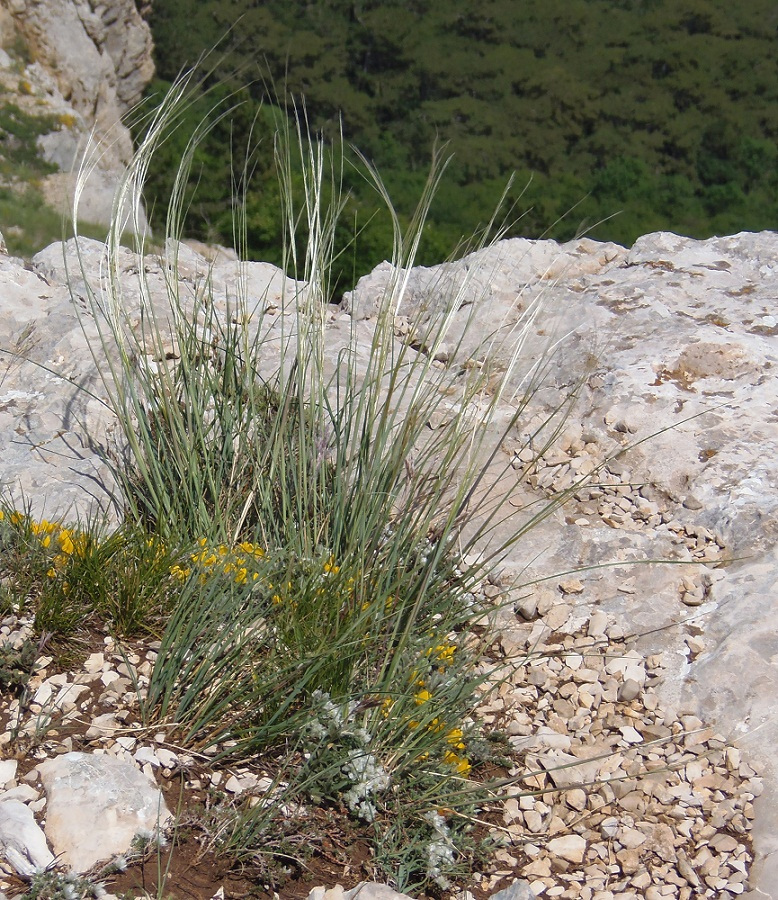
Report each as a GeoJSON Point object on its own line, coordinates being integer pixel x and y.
{"type": "Point", "coordinates": [84, 63]}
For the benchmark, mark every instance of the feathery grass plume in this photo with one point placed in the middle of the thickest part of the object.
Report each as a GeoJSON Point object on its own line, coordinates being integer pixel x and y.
{"type": "Point", "coordinates": [358, 462]}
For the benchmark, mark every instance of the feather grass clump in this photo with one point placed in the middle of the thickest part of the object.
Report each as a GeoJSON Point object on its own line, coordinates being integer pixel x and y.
{"type": "Point", "coordinates": [330, 544]}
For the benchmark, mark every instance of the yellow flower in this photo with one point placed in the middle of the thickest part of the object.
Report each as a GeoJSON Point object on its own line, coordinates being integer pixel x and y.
{"type": "Point", "coordinates": [422, 697]}
{"type": "Point", "coordinates": [443, 652]}
{"type": "Point", "coordinates": [330, 566]}
{"type": "Point", "coordinates": [459, 763]}
{"type": "Point", "coordinates": [251, 549]}
{"type": "Point", "coordinates": [66, 542]}
{"type": "Point", "coordinates": [16, 518]}
{"type": "Point", "coordinates": [2, 515]}
{"type": "Point", "coordinates": [454, 737]}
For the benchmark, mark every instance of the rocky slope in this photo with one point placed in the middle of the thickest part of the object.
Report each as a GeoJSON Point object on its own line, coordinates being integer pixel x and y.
{"type": "Point", "coordinates": [74, 69]}
{"type": "Point", "coordinates": [673, 348]}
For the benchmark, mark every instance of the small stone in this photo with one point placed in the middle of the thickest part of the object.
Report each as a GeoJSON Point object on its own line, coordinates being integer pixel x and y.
{"type": "Point", "coordinates": [21, 839]}
{"type": "Point", "coordinates": [546, 600]}
{"type": "Point", "coordinates": [519, 890]}
{"type": "Point", "coordinates": [145, 755]}
{"type": "Point", "coordinates": [43, 694]}
{"type": "Point", "coordinates": [555, 457]}
{"type": "Point", "coordinates": [571, 847]}
{"type": "Point", "coordinates": [94, 663]}
{"type": "Point", "coordinates": [630, 838]}
{"type": "Point", "coordinates": [693, 598]}
{"type": "Point", "coordinates": [723, 843]}
{"type": "Point", "coordinates": [571, 586]}
{"type": "Point", "coordinates": [25, 793]}
{"type": "Point", "coordinates": [233, 785]}
{"type": "Point", "coordinates": [629, 690]}
{"type": "Point", "coordinates": [557, 617]}
{"type": "Point", "coordinates": [533, 820]}
{"type": "Point", "coordinates": [576, 799]}
{"type": "Point", "coordinates": [586, 676]}
{"type": "Point", "coordinates": [733, 759]}
{"type": "Point", "coordinates": [7, 770]}
{"type": "Point", "coordinates": [528, 608]}
{"type": "Point", "coordinates": [168, 759]}
{"type": "Point", "coordinates": [365, 890]}
{"type": "Point", "coordinates": [598, 622]}
{"type": "Point", "coordinates": [631, 735]}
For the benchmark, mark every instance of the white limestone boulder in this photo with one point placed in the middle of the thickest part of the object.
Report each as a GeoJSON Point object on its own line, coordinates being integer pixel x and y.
{"type": "Point", "coordinates": [95, 807]}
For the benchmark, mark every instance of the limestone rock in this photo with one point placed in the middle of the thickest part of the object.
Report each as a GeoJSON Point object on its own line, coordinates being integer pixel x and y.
{"type": "Point", "coordinates": [102, 797]}
{"type": "Point", "coordinates": [99, 53]}
{"type": "Point", "coordinates": [91, 62]}
{"type": "Point", "coordinates": [365, 890]}
{"type": "Point", "coordinates": [570, 847]}
{"type": "Point", "coordinates": [370, 890]}
{"type": "Point", "coordinates": [7, 772]}
{"type": "Point", "coordinates": [519, 890]}
{"type": "Point", "coordinates": [22, 842]}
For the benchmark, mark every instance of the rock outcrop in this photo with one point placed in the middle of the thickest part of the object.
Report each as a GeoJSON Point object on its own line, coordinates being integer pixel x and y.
{"type": "Point", "coordinates": [86, 63]}
{"type": "Point", "coordinates": [672, 348]}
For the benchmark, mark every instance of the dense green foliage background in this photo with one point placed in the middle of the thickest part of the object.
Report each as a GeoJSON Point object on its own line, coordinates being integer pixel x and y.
{"type": "Point", "coordinates": [619, 117]}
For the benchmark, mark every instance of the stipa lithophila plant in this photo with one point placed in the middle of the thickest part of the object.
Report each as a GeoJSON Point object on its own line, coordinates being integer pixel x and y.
{"type": "Point", "coordinates": [360, 460]}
